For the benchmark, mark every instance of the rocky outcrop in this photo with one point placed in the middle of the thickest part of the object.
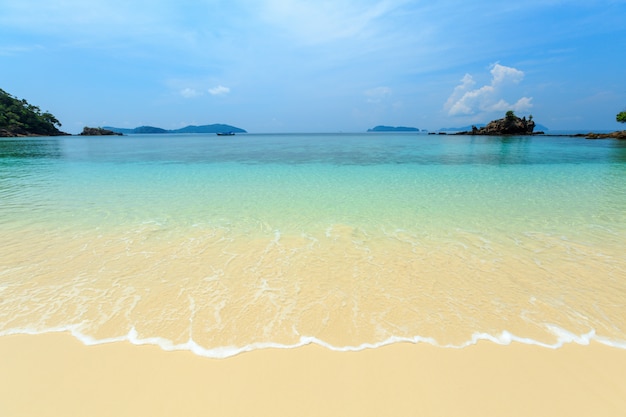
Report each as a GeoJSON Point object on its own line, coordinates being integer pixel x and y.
{"type": "Point", "coordinates": [5, 133]}
{"type": "Point", "coordinates": [18, 132]}
{"type": "Point", "coordinates": [508, 125]}
{"type": "Point", "coordinates": [98, 131]}
{"type": "Point", "coordinates": [620, 134]}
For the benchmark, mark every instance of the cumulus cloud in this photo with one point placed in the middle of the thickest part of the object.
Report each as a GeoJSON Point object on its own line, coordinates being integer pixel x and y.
{"type": "Point", "coordinates": [219, 90]}
{"type": "Point", "coordinates": [466, 99]}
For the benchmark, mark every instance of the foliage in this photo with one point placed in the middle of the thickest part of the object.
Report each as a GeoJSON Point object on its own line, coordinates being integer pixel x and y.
{"type": "Point", "coordinates": [18, 117]}
{"type": "Point", "coordinates": [621, 117]}
{"type": "Point", "coordinates": [510, 115]}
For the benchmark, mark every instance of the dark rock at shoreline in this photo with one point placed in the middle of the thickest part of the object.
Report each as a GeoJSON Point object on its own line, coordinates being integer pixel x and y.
{"type": "Point", "coordinates": [508, 125]}
{"type": "Point", "coordinates": [620, 134]}
{"type": "Point", "coordinates": [21, 133]}
{"type": "Point", "coordinates": [6, 133]}
{"type": "Point", "coordinates": [98, 131]}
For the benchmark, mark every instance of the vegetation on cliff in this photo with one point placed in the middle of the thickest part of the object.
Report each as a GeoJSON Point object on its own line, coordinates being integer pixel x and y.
{"type": "Point", "coordinates": [621, 117]}
{"type": "Point", "coordinates": [20, 118]}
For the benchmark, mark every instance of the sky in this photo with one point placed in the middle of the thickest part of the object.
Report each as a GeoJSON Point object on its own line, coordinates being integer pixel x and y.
{"type": "Point", "coordinates": [282, 66]}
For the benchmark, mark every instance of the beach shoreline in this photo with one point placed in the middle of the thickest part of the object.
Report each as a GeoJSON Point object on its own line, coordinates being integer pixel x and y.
{"type": "Point", "coordinates": [54, 374]}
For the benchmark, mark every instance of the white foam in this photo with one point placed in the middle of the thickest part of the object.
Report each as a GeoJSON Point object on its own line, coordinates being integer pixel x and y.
{"type": "Point", "coordinates": [564, 337]}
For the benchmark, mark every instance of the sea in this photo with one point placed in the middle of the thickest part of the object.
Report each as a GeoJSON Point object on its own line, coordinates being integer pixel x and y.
{"type": "Point", "coordinates": [225, 244]}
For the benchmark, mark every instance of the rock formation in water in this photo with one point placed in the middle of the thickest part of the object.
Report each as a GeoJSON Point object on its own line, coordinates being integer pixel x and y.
{"type": "Point", "coordinates": [98, 131]}
{"type": "Point", "coordinates": [620, 134]}
{"type": "Point", "coordinates": [510, 124]}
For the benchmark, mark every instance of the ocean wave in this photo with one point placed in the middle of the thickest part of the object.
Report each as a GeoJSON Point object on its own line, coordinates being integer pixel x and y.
{"type": "Point", "coordinates": [564, 337]}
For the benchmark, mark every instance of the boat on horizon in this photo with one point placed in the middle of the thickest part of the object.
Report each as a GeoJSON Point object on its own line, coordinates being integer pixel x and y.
{"type": "Point", "coordinates": [225, 133]}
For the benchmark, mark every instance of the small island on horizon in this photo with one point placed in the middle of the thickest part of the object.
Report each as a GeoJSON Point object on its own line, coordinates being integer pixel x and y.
{"type": "Point", "coordinates": [213, 128]}
{"type": "Point", "coordinates": [19, 118]}
{"type": "Point", "coordinates": [393, 129]}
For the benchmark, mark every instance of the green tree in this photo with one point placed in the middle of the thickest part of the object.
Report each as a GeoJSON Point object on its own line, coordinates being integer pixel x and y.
{"type": "Point", "coordinates": [621, 117]}
{"type": "Point", "coordinates": [18, 117]}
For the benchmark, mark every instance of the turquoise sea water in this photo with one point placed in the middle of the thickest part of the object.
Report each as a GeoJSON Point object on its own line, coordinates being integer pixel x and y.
{"type": "Point", "coordinates": [348, 240]}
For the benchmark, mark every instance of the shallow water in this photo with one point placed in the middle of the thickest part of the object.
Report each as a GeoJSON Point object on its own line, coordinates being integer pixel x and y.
{"type": "Point", "coordinates": [224, 244]}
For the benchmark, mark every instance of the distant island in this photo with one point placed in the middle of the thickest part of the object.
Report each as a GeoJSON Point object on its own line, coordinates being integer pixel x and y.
{"type": "Point", "coordinates": [214, 128]}
{"type": "Point", "coordinates": [393, 129]}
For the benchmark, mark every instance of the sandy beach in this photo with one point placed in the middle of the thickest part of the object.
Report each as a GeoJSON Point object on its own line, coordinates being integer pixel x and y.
{"type": "Point", "coordinates": [55, 375]}
{"type": "Point", "coordinates": [220, 247]}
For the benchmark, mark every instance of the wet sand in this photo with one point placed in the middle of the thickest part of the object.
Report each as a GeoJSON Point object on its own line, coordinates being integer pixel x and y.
{"type": "Point", "coordinates": [55, 375]}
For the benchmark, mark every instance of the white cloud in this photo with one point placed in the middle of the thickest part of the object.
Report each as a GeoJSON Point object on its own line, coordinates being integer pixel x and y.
{"type": "Point", "coordinates": [466, 100]}
{"type": "Point", "coordinates": [502, 74]}
{"type": "Point", "coordinates": [190, 93]}
{"type": "Point", "coordinates": [376, 95]}
{"type": "Point", "coordinates": [219, 90]}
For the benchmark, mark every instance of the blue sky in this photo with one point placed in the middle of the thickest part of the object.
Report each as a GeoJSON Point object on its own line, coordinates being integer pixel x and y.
{"type": "Point", "coordinates": [316, 65]}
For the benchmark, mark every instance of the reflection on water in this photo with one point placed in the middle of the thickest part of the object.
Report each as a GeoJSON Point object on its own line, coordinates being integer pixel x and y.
{"type": "Point", "coordinates": [39, 148]}
{"type": "Point", "coordinates": [618, 153]}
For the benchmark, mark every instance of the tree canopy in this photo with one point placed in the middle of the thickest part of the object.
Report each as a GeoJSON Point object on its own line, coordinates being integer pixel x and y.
{"type": "Point", "coordinates": [20, 118]}
{"type": "Point", "coordinates": [621, 117]}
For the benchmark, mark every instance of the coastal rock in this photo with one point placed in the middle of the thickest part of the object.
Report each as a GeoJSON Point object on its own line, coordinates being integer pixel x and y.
{"type": "Point", "coordinates": [5, 133]}
{"type": "Point", "coordinates": [98, 131]}
{"type": "Point", "coordinates": [18, 132]}
{"type": "Point", "coordinates": [620, 134]}
{"type": "Point", "coordinates": [508, 125]}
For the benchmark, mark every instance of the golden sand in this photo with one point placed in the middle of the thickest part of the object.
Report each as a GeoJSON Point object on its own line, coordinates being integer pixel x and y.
{"type": "Point", "coordinates": [55, 375]}
{"type": "Point", "coordinates": [345, 289]}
